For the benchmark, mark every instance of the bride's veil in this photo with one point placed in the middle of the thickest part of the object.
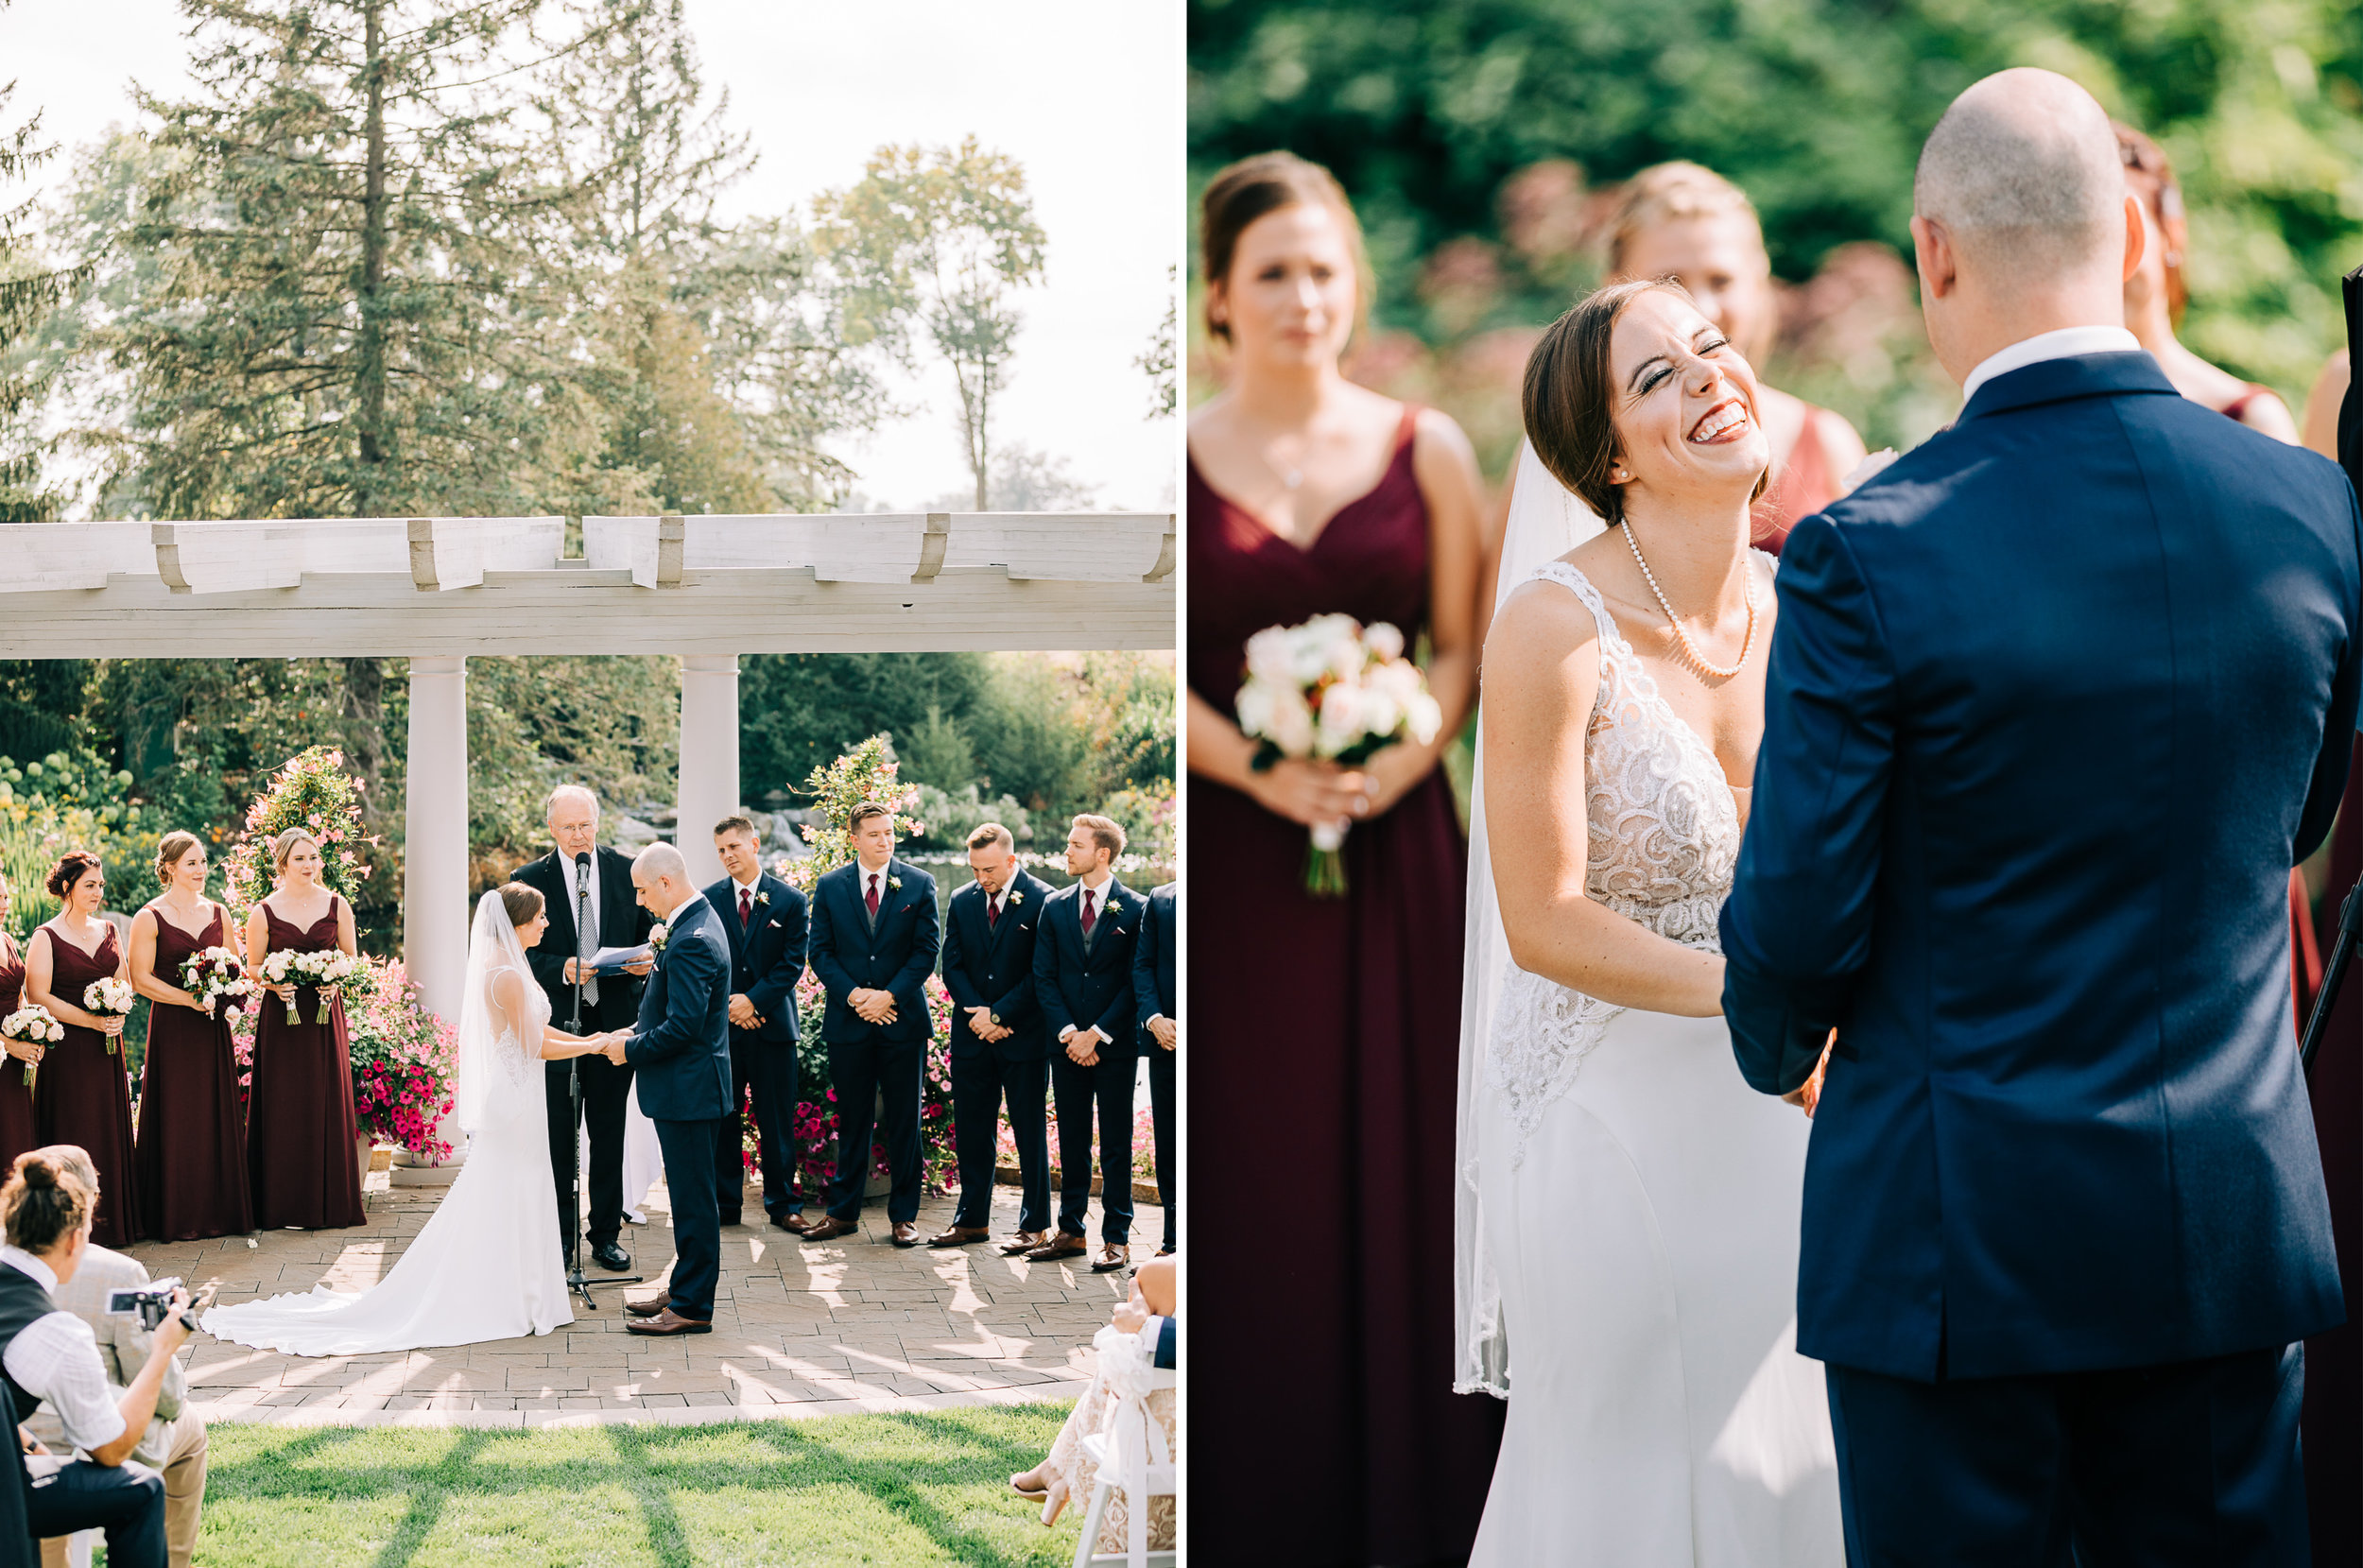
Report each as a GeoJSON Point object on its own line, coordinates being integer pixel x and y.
{"type": "Point", "coordinates": [488, 1080]}
{"type": "Point", "coordinates": [1546, 520]}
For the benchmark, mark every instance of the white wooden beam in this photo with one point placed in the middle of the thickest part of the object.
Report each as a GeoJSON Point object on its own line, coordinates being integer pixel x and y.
{"type": "Point", "coordinates": [1062, 546]}
{"type": "Point", "coordinates": [454, 552]}
{"type": "Point", "coordinates": [37, 558]}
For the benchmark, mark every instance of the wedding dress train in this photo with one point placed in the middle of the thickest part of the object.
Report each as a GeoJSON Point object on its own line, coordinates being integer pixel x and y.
{"type": "Point", "coordinates": [1636, 1217]}
{"type": "Point", "coordinates": [487, 1263]}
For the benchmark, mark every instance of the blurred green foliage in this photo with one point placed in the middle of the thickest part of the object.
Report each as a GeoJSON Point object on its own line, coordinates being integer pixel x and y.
{"type": "Point", "coordinates": [1818, 107]}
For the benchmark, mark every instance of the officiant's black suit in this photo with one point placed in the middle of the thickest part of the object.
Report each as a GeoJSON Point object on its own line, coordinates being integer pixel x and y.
{"type": "Point", "coordinates": [1088, 982]}
{"type": "Point", "coordinates": [992, 965]}
{"type": "Point", "coordinates": [767, 960]}
{"type": "Point", "coordinates": [893, 951]}
{"type": "Point", "coordinates": [606, 1088]}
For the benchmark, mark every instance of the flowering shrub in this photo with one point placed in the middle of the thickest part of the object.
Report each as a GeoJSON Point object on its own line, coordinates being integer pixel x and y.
{"type": "Point", "coordinates": [868, 772]}
{"type": "Point", "coordinates": [402, 1058]}
{"type": "Point", "coordinates": [309, 791]}
{"type": "Point", "coordinates": [70, 801]}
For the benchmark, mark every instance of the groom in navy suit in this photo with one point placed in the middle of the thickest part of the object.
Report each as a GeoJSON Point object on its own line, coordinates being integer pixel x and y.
{"type": "Point", "coordinates": [682, 1050]}
{"type": "Point", "coordinates": [874, 935]}
{"type": "Point", "coordinates": [2054, 703]}
{"type": "Point", "coordinates": [765, 919]}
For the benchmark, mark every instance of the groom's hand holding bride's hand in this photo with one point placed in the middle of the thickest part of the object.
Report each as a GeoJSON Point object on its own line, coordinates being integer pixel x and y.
{"type": "Point", "coordinates": [1806, 1096]}
{"type": "Point", "coordinates": [613, 1046]}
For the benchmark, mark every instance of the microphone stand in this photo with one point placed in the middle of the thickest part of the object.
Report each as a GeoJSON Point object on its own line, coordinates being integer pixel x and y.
{"type": "Point", "coordinates": [576, 1282]}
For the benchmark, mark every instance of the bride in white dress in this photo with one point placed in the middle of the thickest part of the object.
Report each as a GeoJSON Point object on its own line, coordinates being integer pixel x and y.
{"type": "Point", "coordinates": [1628, 1210]}
{"type": "Point", "coordinates": [488, 1265]}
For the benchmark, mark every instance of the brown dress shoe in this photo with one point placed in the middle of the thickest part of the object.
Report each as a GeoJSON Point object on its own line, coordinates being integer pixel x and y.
{"type": "Point", "coordinates": [1023, 1241]}
{"type": "Point", "coordinates": [907, 1234]}
{"type": "Point", "coordinates": [1112, 1256]}
{"type": "Point", "coordinates": [646, 1307]}
{"type": "Point", "coordinates": [828, 1228]}
{"type": "Point", "coordinates": [961, 1235]}
{"type": "Point", "coordinates": [795, 1223]}
{"type": "Point", "coordinates": [668, 1321]}
{"type": "Point", "coordinates": [1066, 1244]}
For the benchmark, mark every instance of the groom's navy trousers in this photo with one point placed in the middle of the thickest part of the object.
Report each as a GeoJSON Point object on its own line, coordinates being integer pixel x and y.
{"type": "Point", "coordinates": [2053, 704]}
{"type": "Point", "coordinates": [682, 1053]}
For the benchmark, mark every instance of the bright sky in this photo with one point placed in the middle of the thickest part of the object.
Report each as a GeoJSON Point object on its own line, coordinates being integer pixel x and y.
{"type": "Point", "coordinates": [1085, 94]}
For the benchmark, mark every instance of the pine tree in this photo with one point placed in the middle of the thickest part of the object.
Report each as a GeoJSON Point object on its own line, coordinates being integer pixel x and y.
{"type": "Point", "coordinates": [359, 313]}
{"type": "Point", "coordinates": [27, 295]}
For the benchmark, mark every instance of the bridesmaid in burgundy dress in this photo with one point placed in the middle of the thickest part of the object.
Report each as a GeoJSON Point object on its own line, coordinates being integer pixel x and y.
{"type": "Point", "coordinates": [192, 1146]}
{"type": "Point", "coordinates": [17, 1132]}
{"type": "Point", "coordinates": [1326, 1030]}
{"type": "Point", "coordinates": [300, 1128]}
{"type": "Point", "coordinates": [83, 1094]}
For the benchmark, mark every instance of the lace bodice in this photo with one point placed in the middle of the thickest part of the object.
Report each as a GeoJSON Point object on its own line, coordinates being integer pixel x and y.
{"type": "Point", "coordinates": [1662, 827]}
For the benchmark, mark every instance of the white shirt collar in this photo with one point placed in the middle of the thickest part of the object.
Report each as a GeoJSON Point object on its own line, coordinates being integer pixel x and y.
{"type": "Point", "coordinates": [750, 883]}
{"type": "Point", "coordinates": [675, 913]}
{"type": "Point", "coordinates": [2064, 343]}
{"type": "Point", "coordinates": [25, 1262]}
{"type": "Point", "coordinates": [865, 873]}
{"type": "Point", "coordinates": [1099, 889]}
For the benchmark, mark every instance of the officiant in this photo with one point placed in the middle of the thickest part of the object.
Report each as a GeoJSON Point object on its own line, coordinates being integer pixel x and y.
{"type": "Point", "coordinates": [589, 894]}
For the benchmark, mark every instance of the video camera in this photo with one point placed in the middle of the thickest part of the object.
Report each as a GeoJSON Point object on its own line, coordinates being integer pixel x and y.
{"type": "Point", "coordinates": [152, 1303]}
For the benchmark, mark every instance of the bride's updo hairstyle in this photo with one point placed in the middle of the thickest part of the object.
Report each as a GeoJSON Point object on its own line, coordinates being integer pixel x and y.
{"type": "Point", "coordinates": [1253, 187]}
{"type": "Point", "coordinates": [285, 846]}
{"type": "Point", "coordinates": [44, 1202]}
{"type": "Point", "coordinates": [520, 901]}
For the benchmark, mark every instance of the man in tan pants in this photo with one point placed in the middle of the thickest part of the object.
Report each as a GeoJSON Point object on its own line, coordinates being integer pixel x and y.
{"type": "Point", "coordinates": [175, 1441]}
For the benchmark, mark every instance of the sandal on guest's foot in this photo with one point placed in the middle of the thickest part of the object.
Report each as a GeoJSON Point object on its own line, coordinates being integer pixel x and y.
{"type": "Point", "coordinates": [1038, 1493]}
{"type": "Point", "coordinates": [1055, 1502]}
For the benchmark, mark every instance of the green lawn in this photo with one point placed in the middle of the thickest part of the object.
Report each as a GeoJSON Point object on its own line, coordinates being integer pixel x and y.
{"type": "Point", "coordinates": [874, 1488]}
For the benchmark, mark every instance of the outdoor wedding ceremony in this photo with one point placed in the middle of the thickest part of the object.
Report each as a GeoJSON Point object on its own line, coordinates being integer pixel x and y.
{"type": "Point", "coordinates": [589, 750]}
{"type": "Point", "coordinates": [1771, 627]}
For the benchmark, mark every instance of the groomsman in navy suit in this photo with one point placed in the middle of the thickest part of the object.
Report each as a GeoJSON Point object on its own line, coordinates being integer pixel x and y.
{"type": "Point", "coordinates": [766, 923]}
{"type": "Point", "coordinates": [1155, 988]}
{"type": "Point", "coordinates": [1083, 974]}
{"type": "Point", "coordinates": [998, 1043]}
{"type": "Point", "coordinates": [874, 935]}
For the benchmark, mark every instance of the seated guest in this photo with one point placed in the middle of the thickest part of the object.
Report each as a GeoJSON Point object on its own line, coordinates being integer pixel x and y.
{"type": "Point", "coordinates": [874, 937]}
{"type": "Point", "coordinates": [175, 1440]}
{"type": "Point", "coordinates": [49, 1356]}
{"type": "Point", "coordinates": [1068, 1474]}
{"type": "Point", "coordinates": [1157, 987]}
{"type": "Point", "coordinates": [998, 1043]}
{"type": "Point", "coordinates": [1083, 980]}
{"type": "Point", "coordinates": [765, 919]}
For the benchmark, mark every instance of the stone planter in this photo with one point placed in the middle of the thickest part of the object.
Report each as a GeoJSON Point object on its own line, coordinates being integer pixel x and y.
{"type": "Point", "coordinates": [365, 1147]}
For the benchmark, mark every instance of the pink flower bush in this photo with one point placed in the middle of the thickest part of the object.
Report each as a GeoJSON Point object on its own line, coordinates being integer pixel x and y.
{"type": "Point", "coordinates": [310, 790]}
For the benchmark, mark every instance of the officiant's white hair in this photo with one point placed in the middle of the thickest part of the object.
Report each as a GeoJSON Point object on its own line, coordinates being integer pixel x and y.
{"type": "Point", "coordinates": [659, 861]}
{"type": "Point", "coordinates": [2022, 172]}
{"type": "Point", "coordinates": [569, 792]}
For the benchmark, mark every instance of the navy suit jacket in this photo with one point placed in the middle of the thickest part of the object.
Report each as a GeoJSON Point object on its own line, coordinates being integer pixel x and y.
{"type": "Point", "coordinates": [1090, 989]}
{"type": "Point", "coordinates": [767, 955]}
{"type": "Point", "coordinates": [2054, 703]}
{"type": "Point", "coordinates": [994, 968]}
{"type": "Point", "coordinates": [897, 955]}
{"type": "Point", "coordinates": [1156, 983]}
{"type": "Point", "coordinates": [683, 1045]}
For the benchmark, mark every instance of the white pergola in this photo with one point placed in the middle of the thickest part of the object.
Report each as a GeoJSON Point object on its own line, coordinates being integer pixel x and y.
{"type": "Point", "coordinates": [706, 589]}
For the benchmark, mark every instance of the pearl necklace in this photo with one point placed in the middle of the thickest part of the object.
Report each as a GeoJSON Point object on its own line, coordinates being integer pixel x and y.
{"type": "Point", "coordinates": [1689, 649]}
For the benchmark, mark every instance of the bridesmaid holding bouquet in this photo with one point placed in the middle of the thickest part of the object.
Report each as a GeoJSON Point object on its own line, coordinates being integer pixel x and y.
{"type": "Point", "coordinates": [192, 1148]}
{"type": "Point", "coordinates": [83, 1095]}
{"type": "Point", "coordinates": [17, 1132]}
{"type": "Point", "coordinates": [300, 1129]}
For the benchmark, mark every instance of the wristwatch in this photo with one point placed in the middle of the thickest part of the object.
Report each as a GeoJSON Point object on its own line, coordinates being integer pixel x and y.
{"type": "Point", "coordinates": [994, 1019]}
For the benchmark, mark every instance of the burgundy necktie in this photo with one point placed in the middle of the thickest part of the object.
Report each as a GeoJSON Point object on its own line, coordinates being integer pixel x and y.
{"type": "Point", "coordinates": [872, 899]}
{"type": "Point", "coordinates": [992, 912]}
{"type": "Point", "coordinates": [1087, 911]}
{"type": "Point", "coordinates": [746, 907]}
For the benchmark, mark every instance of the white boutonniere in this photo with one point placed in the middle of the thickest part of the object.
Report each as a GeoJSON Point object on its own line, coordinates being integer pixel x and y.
{"type": "Point", "coordinates": [1017, 895]}
{"type": "Point", "coordinates": [657, 933]}
{"type": "Point", "coordinates": [764, 899]}
{"type": "Point", "coordinates": [895, 883]}
{"type": "Point", "coordinates": [1865, 471]}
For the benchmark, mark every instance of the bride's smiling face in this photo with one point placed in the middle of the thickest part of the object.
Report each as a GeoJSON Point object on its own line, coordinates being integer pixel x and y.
{"type": "Point", "coordinates": [529, 934]}
{"type": "Point", "coordinates": [1684, 403]}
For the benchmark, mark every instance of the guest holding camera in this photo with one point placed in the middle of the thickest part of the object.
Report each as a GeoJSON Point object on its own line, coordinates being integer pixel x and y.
{"type": "Point", "coordinates": [175, 1440]}
{"type": "Point", "coordinates": [49, 1356]}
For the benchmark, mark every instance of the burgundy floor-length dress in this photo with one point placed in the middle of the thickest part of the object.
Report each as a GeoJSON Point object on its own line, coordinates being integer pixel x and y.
{"type": "Point", "coordinates": [1324, 1072]}
{"type": "Point", "coordinates": [2332, 1438]}
{"type": "Point", "coordinates": [82, 1093]}
{"type": "Point", "coordinates": [192, 1146]}
{"type": "Point", "coordinates": [299, 1127]}
{"type": "Point", "coordinates": [17, 1132]}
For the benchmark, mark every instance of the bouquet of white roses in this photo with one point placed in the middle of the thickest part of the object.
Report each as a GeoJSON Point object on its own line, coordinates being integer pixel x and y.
{"type": "Point", "coordinates": [33, 1026]}
{"type": "Point", "coordinates": [214, 974]}
{"type": "Point", "coordinates": [324, 971]}
{"type": "Point", "coordinates": [109, 998]}
{"type": "Point", "coordinates": [1337, 691]}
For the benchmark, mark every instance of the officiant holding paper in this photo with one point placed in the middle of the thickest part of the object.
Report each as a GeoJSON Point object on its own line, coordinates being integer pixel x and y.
{"type": "Point", "coordinates": [589, 892]}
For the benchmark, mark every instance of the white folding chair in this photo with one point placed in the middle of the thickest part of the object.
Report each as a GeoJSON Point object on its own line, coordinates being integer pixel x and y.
{"type": "Point", "coordinates": [1132, 1458]}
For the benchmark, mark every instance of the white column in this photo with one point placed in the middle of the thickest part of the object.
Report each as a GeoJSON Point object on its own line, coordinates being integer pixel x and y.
{"type": "Point", "coordinates": [435, 916]}
{"type": "Point", "coordinates": [709, 758]}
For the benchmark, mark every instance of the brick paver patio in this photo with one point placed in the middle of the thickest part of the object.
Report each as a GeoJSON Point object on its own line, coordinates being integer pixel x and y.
{"type": "Point", "coordinates": [854, 1324]}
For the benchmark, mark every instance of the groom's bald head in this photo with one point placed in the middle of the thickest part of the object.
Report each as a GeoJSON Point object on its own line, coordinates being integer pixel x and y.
{"type": "Point", "coordinates": [2023, 173]}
